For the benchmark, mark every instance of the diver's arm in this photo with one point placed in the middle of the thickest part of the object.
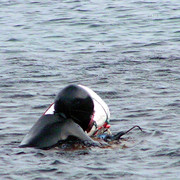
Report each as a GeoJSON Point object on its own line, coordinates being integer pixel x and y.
{"type": "Point", "coordinates": [74, 129]}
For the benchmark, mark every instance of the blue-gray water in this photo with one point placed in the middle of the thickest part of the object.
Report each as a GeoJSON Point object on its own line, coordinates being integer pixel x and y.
{"type": "Point", "coordinates": [127, 51]}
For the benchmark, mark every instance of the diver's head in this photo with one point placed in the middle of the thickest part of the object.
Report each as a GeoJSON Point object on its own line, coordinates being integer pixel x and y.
{"type": "Point", "coordinates": [75, 103]}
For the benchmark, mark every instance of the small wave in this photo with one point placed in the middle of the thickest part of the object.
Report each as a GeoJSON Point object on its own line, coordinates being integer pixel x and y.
{"type": "Point", "coordinates": [117, 175]}
{"type": "Point", "coordinates": [57, 162]}
{"type": "Point", "coordinates": [40, 107]}
{"type": "Point", "coordinates": [59, 19]}
{"type": "Point", "coordinates": [44, 75]}
{"type": "Point", "coordinates": [20, 153]}
{"type": "Point", "coordinates": [13, 51]}
{"type": "Point", "coordinates": [21, 96]}
{"type": "Point", "coordinates": [39, 154]}
{"type": "Point", "coordinates": [96, 25]}
{"type": "Point", "coordinates": [157, 133]}
{"type": "Point", "coordinates": [174, 18]}
{"type": "Point", "coordinates": [174, 104]}
{"type": "Point", "coordinates": [154, 44]}
{"type": "Point", "coordinates": [168, 153]}
{"type": "Point", "coordinates": [13, 40]}
{"type": "Point", "coordinates": [138, 115]}
{"type": "Point", "coordinates": [164, 70]}
{"type": "Point", "coordinates": [109, 93]}
{"type": "Point", "coordinates": [157, 57]}
{"type": "Point", "coordinates": [128, 52]}
{"type": "Point", "coordinates": [56, 20]}
{"type": "Point", "coordinates": [103, 51]}
{"type": "Point", "coordinates": [96, 168]}
{"type": "Point", "coordinates": [175, 164]}
{"type": "Point", "coordinates": [47, 170]}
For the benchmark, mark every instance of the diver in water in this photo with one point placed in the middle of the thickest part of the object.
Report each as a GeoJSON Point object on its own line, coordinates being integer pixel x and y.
{"type": "Point", "coordinates": [78, 114]}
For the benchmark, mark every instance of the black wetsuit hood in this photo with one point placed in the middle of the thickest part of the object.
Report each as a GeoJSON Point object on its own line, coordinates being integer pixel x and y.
{"type": "Point", "coordinates": [75, 103]}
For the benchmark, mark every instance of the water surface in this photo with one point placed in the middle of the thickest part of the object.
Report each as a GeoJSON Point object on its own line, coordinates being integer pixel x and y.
{"type": "Point", "coordinates": [126, 51]}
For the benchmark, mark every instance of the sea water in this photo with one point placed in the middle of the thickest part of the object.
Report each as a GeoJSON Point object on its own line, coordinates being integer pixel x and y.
{"type": "Point", "coordinates": [126, 51]}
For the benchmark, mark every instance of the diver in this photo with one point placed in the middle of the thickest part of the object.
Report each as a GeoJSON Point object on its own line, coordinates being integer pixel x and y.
{"type": "Point", "coordinates": [78, 114]}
